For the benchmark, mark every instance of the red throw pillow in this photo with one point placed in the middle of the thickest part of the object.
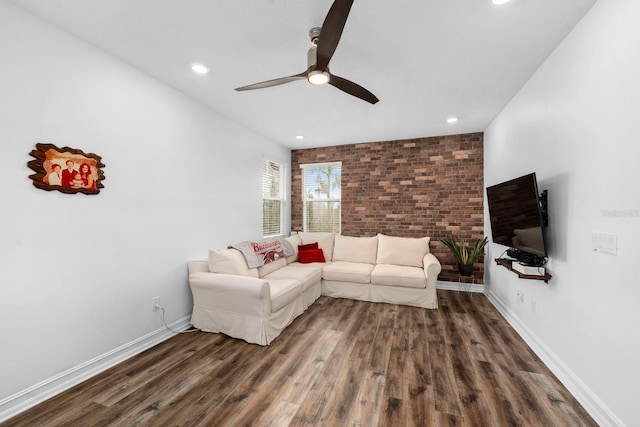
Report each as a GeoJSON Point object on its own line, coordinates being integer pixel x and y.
{"type": "Point", "coordinates": [311, 255]}
{"type": "Point", "coordinates": [313, 245]}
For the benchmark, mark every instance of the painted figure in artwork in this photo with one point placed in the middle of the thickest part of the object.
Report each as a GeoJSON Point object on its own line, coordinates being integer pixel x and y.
{"type": "Point", "coordinates": [55, 176]}
{"type": "Point", "coordinates": [68, 174]}
{"type": "Point", "coordinates": [77, 182]}
{"type": "Point", "coordinates": [87, 177]}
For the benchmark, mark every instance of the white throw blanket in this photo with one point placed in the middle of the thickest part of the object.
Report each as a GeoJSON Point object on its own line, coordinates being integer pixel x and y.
{"type": "Point", "coordinates": [261, 252]}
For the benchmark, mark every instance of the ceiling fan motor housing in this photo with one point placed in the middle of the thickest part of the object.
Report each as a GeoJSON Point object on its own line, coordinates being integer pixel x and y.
{"type": "Point", "coordinates": [316, 77]}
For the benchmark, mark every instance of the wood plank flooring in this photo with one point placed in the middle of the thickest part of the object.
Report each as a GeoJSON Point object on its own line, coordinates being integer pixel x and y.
{"type": "Point", "coordinates": [342, 363]}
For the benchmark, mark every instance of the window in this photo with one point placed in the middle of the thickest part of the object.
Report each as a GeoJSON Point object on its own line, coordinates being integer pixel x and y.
{"type": "Point", "coordinates": [321, 195]}
{"type": "Point", "coordinates": [272, 198]}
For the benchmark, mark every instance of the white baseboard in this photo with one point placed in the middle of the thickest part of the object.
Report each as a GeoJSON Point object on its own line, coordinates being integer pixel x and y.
{"type": "Point", "coordinates": [591, 403]}
{"type": "Point", "coordinates": [457, 286]}
{"type": "Point", "coordinates": [38, 393]}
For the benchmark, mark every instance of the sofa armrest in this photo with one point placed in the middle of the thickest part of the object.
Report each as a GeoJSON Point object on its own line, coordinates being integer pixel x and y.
{"type": "Point", "coordinates": [432, 267]}
{"type": "Point", "coordinates": [231, 293]}
{"type": "Point", "coordinates": [198, 265]}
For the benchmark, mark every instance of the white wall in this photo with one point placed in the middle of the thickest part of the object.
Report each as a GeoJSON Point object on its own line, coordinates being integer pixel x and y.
{"type": "Point", "coordinates": [78, 272]}
{"type": "Point", "coordinates": [576, 123]}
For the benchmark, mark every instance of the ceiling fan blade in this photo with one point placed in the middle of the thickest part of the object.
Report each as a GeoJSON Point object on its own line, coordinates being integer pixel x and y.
{"type": "Point", "coordinates": [332, 31]}
{"type": "Point", "coordinates": [274, 82]}
{"type": "Point", "coordinates": [352, 89]}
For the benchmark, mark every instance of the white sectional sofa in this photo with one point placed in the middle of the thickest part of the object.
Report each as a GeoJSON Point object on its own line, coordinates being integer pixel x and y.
{"type": "Point", "coordinates": [256, 304]}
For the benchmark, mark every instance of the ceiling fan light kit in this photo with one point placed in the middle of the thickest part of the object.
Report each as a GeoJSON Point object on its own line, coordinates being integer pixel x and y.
{"type": "Point", "coordinates": [320, 54]}
{"type": "Point", "coordinates": [317, 77]}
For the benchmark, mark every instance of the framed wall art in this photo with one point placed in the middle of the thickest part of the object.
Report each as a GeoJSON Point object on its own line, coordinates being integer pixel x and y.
{"type": "Point", "coordinates": [65, 169]}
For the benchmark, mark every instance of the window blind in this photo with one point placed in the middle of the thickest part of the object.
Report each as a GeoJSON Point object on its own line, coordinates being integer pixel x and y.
{"type": "Point", "coordinates": [272, 198]}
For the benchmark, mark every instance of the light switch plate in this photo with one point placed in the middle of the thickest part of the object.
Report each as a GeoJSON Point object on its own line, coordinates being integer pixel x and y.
{"type": "Point", "coordinates": [604, 242]}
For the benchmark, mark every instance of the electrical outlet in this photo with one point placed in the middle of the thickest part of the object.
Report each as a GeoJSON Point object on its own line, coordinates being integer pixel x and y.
{"type": "Point", "coordinates": [155, 302]}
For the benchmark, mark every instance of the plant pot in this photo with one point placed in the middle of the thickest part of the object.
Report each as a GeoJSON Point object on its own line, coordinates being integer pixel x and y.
{"type": "Point", "coordinates": [465, 269]}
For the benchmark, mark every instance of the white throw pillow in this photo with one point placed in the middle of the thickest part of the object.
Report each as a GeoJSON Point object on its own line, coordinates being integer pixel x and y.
{"type": "Point", "coordinates": [355, 249]}
{"type": "Point", "coordinates": [295, 240]}
{"type": "Point", "coordinates": [325, 242]}
{"type": "Point", "coordinates": [402, 250]}
{"type": "Point", "coordinates": [230, 261]}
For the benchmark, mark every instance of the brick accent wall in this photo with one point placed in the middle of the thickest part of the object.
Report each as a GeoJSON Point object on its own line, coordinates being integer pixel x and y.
{"type": "Point", "coordinates": [411, 188]}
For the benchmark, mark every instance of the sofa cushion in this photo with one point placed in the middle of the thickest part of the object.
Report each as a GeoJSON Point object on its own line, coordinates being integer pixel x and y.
{"type": "Point", "coordinates": [355, 249]}
{"type": "Point", "coordinates": [398, 275]}
{"type": "Point", "coordinates": [295, 240]}
{"type": "Point", "coordinates": [284, 291]}
{"type": "Point", "coordinates": [230, 261]}
{"type": "Point", "coordinates": [271, 266]}
{"type": "Point", "coordinates": [307, 274]}
{"type": "Point", "coordinates": [325, 242]}
{"type": "Point", "coordinates": [343, 271]}
{"type": "Point", "coordinates": [402, 250]}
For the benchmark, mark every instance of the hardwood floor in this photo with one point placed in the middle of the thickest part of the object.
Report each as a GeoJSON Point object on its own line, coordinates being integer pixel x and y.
{"type": "Point", "coordinates": [342, 363]}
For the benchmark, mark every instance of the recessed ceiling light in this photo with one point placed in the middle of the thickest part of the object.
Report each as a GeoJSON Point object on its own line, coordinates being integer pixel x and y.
{"type": "Point", "coordinates": [452, 119]}
{"type": "Point", "coordinates": [500, 1]}
{"type": "Point", "coordinates": [299, 136]}
{"type": "Point", "coordinates": [199, 68]}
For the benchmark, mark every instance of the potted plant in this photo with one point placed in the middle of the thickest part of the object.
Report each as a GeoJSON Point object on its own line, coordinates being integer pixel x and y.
{"type": "Point", "coordinates": [465, 256]}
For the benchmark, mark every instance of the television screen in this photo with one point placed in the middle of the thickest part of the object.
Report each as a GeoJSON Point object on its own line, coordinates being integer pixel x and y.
{"type": "Point", "coordinates": [516, 215]}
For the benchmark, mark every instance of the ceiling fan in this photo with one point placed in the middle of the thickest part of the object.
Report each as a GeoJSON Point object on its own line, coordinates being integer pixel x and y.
{"type": "Point", "coordinates": [319, 55]}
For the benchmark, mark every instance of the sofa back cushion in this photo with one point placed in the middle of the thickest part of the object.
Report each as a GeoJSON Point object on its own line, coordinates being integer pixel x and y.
{"type": "Point", "coordinates": [230, 261]}
{"type": "Point", "coordinates": [325, 242]}
{"type": "Point", "coordinates": [295, 240]}
{"type": "Point", "coordinates": [272, 266]}
{"type": "Point", "coordinates": [402, 250]}
{"type": "Point", "coordinates": [355, 249]}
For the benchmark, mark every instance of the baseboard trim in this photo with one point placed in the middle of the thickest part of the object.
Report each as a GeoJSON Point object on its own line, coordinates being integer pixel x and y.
{"type": "Point", "coordinates": [591, 403]}
{"type": "Point", "coordinates": [38, 393]}
{"type": "Point", "coordinates": [457, 286]}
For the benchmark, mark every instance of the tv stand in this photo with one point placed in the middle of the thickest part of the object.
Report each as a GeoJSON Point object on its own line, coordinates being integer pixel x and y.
{"type": "Point", "coordinates": [506, 263]}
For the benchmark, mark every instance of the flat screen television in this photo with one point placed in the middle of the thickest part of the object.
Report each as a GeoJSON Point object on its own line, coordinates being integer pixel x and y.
{"type": "Point", "coordinates": [518, 217]}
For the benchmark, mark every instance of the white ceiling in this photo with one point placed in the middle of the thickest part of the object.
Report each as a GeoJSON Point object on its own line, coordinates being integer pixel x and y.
{"type": "Point", "coordinates": [425, 59]}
